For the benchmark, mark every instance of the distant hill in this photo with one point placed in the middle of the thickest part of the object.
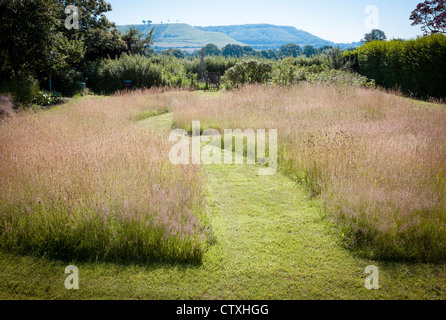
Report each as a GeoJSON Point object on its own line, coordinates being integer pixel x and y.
{"type": "Point", "coordinates": [183, 36]}
{"type": "Point", "coordinates": [267, 36]}
{"type": "Point", "coordinates": [258, 36]}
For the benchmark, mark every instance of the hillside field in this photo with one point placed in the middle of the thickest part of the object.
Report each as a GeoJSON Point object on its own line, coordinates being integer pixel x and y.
{"type": "Point", "coordinates": [180, 35]}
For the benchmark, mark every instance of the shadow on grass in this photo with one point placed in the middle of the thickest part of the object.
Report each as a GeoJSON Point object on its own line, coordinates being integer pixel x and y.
{"type": "Point", "coordinates": [148, 264]}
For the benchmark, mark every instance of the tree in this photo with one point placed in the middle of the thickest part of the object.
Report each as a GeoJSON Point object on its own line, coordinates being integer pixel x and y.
{"type": "Point", "coordinates": [290, 50]}
{"type": "Point", "coordinates": [101, 44]}
{"type": "Point", "coordinates": [101, 36]}
{"type": "Point", "coordinates": [210, 50]}
{"type": "Point", "coordinates": [91, 14]}
{"type": "Point", "coordinates": [309, 51]}
{"type": "Point", "coordinates": [335, 58]}
{"type": "Point", "coordinates": [375, 34]}
{"type": "Point", "coordinates": [136, 42]}
{"type": "Point", "coordinates": [272, 54]}
{"type": "Point", "coordinates": [177, 53]}
{"type": "Point", "coordinates": [248, 51]}
{"type": "Point", "coordinates": [325, 49]}
{"type": "Point", "coordinates": [201, 67]}
{"type": "Point", "coordinates": [431, 15]}
{"type": "Point", "coordinates": [232, 50]}
{"type": "Point", "coordinates": [31, 42]}
{"type": "Point", "coordinates": [264, 54]}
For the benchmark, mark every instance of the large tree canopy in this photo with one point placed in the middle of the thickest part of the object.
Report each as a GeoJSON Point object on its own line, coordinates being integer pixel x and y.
{"type": "Point", "coordinates": [34, 36]}
{"type": "Point", "coordinates": [309, 51]}
{"type": "Point", "coordinates": [101, 37]}
{"type": "Point", "coordinates": [431, 15]}
{"type": "Point", "coordinates": [290, 50]}
{"type": "Point", "coordinates": [91, 14]}
{"type": "Point", "coordinates": [30, 40]}
{"type": "Point", "coordinates": [36, 42]}
{"type": "Point", "coordinates": [136, 42]}
{"type": "Point", "coordinates": [232, 50]}
{"type": "Point", "coordinates": [210, 50]}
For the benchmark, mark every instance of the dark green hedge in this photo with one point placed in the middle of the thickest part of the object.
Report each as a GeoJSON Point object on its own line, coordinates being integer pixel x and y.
{"type": "Point", "coordinates": [416, 66]}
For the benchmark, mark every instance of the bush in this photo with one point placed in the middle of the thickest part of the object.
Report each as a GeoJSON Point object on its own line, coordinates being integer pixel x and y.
{"type": "Point", "coordinates": [46, 98]}
{"type": "Point", "coordinates": [291, 71]}
{"type": "Point", "coordinates": [174, 73]}
{"type": "Point", "coordinates": [286, 72]}
{"type": "Point", "coordinates": [213, 64]}
{"type": "Point", "coordinates": [24, 88]}
{"type": "Point", "coordinates": [107, 76]}
{"type": "Point", "coordinates": [336, 59]}
{"type": "Point", "coordinates": [67, 82]}
{"type": "Point", "coordinates": [338, 77]}
{"type": "Point", "coordinates": [316, 60]}
{"type": "Point", "coordinates": [245, 72]}
{"type": "Point", "coordinates": [351, 60]}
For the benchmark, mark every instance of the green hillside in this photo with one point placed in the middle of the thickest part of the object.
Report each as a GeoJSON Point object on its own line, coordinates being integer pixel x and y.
{"type": "Point", "coordinates": [266, 36]}
{"type": "Point", "coordinates": [180, 35]}
{"type": "Point", "coordinates": [258, 36]}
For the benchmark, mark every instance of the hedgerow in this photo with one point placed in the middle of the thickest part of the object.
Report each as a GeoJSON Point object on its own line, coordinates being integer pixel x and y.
{"type": "Point", "coordinates": [417, 67]}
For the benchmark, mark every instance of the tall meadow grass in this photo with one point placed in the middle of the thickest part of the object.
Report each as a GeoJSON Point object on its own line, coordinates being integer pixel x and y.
{"type": "Point", "coordinates": [84, 182]}
{"type": "Point", "coordinates": [376, 160]}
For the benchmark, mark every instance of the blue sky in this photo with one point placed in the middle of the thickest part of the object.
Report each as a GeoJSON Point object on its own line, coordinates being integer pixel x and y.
{"type": "Point", "coordinates": [334, 20]}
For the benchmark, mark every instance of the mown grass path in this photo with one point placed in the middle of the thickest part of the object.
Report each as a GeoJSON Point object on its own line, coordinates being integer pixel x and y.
{"type": "Point", "coordinates": [271, 243]}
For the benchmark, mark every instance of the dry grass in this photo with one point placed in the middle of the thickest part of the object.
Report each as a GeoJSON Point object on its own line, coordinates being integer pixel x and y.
{"type": "Point", "coordinates": [84, 182]}
{"type": "Point", "coordinates": [377, 161]}
{"type": "Point", "coordinates": [6, 106]}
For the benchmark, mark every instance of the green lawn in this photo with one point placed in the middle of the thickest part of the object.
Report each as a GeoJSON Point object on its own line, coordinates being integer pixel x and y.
{"type": "Point", "coordinates": [272, 242]}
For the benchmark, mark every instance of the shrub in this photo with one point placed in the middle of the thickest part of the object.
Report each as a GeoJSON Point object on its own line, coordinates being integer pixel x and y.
{"type": "Point", "coordinates": [108, 75]}
{"type": "Point", "coordinates": [174, 74]}
{"type": "Point", "coordinates": [46, 98]}
{"type": "Point", "coordinates": [351, 60]}
{"type": "Point", "coordinates": [24, 88]}
{"type": "Point", "coordinates": [286, 72]}
{"type": "Point", "coordinates": [245, 72]}
{"type": "Point", "coordinates": [339, 77]}
{"type": "Point", "coordinates": [213, 64]}
{"type": "Point", "coordinates": [67, 82]}
{"type": "Point", "coordinates": [335, 59]}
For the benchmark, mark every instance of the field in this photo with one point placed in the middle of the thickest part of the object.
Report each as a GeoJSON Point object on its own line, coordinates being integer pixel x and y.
{"type": "Point", "coordinates": [180, 35]}
{"type": "Point", "coordinates": [361, 182]}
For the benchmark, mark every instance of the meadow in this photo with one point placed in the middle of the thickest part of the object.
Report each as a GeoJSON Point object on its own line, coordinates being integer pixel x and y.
{"type": "Point", "coordinates": [361, 181]}
{"type": "Point", "coordinates": [375, 160]}
{"type": "Point", "coordinates": [84, 182]}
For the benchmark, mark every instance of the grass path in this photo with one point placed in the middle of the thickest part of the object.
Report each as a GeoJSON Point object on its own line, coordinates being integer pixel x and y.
{"type": "Point", "coordinates": [272, 243]}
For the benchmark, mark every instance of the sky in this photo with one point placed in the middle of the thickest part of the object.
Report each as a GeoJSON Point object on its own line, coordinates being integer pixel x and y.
{"type": "Point", "coordinates": [340, 21]}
